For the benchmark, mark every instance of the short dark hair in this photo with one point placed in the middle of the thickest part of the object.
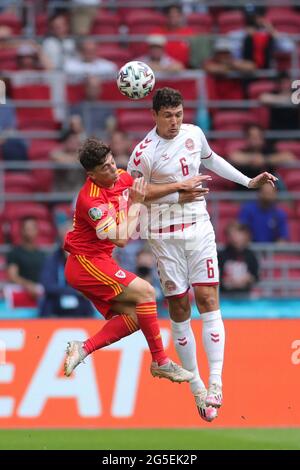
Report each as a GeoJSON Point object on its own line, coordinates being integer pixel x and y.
{"type": "Point", "coordinates": [93, 153]}
{"type": "Point", "coordinates": [166, 98]}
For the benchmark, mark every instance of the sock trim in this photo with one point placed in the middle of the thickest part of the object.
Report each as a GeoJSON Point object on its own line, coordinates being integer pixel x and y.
{"type": "Point", "coordinates": [209, 316]}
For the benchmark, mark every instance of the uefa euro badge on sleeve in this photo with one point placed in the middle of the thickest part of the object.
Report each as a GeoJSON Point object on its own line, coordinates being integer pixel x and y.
{"type": "Point", "coordinates": [95, 213]}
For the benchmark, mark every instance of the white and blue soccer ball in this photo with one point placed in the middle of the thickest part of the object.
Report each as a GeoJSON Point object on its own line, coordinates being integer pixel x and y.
{"type": "Point", "coordinates": [135, 80]}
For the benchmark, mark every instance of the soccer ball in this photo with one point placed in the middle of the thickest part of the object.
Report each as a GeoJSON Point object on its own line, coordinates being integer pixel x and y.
{"type": "Point", "coordinates": [135, 80]}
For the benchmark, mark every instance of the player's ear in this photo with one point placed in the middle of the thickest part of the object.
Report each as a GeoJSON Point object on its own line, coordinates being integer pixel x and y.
{"type": "Point", "coordinates": [154, 114]}
{"type": "Point", "coordinates": [90, 173]}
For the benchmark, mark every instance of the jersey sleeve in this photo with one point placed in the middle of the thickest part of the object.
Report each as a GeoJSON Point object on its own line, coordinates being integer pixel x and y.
{"type": "Point", "coordinates": [205, 151]}
{"type": "Point", "coordinates": [140, 164]}
{"type": "Point", "coordinates": [98, 214]}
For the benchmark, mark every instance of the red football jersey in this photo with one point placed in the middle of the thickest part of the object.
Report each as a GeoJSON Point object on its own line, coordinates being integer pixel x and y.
{"type": "Point", "coordinates": [98, 207]}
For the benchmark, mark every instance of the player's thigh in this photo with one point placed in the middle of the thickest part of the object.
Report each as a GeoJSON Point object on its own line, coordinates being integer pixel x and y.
{"type": "Point", "coordinates": [171, 265]}
{"type": "Point", "coordinates": [179, 307]}
{"type": "Point", "coordinates": [137, 291]}
{"type": "Point", "coordinates": [202, 258]}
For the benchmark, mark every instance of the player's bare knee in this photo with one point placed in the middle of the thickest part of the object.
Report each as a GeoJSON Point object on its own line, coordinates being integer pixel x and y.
{"type": "Point", "coordinates": [146, 293]}
{"type": "Point", "coordinates": [207, 303]}
{"type": "Point", "coordinates": [180, 309]}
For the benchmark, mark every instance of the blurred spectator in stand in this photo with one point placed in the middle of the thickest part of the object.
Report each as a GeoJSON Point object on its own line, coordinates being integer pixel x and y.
{"type": "Point", "coordinates": [238, 264]}
{"type": "Point", "coordinates": [30, 56]}
{"type": "Point", "coordinates": [259, 42]}
{"type": "Point", "coordinates": [96, 118]}
{"type": "Point", "coordinates": [58, 45]}
{"type": "Point", "coordinates": [157, 58]}
{"type": "Point", "coordinates": [176, 26]}
{"type": "Point", "coordinates": [88, 62]}
{"type": "Point", "coordinates": [265, 220]}
{"type": "Point", "coordinates": [83, 13]}
{"type": "Point", "coordinates": [14, 149]}
{"type": "Point", "coordinates": [7, 39]}
{"type": "Point", "coordinates": [222, 84]}
{"type": "Point", "coordinates": [120, 145]}
{"type": "Point", "coordinates": [8, 119]}
{"type": "Point", "coordinates": [283, 114]}
{"type": "Point", "coordinates": [258, 154]}
{"type": "Point", "coordinates": [68, 179]}
{"type": "Point", "coordinates": [59, 299]}
{"type": "Point", "coordinates": [24, 262]}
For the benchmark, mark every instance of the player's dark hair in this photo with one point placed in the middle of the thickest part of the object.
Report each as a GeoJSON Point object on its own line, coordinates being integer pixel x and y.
{"type": "Point", "coordinates": [93, 153]}
{"type": "Point", "coordinates": [166, 98]}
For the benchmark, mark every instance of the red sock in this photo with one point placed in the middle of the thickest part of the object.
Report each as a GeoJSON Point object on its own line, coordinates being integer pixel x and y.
{"type": "Point", "coordinates": [114, 329]}
{"type": "Point", "coordinates": [147, 318]}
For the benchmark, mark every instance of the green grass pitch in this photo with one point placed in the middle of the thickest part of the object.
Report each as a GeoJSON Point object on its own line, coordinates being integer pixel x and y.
{"type": "Point", "coordinates": [150, 439]}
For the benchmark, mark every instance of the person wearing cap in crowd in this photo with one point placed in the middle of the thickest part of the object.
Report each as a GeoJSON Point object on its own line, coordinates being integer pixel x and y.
{"type": "Point", "coordinates": [30, 56]}
{"type": "Point", "coordinates": [221, 84]}
{"type": "Point", "coordinates": [157, 58]}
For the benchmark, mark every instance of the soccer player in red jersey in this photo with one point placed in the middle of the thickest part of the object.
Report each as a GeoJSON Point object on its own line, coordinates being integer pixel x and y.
{"type": "Point", "coordinates": [107, 212]}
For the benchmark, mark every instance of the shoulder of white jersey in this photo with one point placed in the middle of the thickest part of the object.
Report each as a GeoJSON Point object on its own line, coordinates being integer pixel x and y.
{"type": "Point", "coordinates": [145, 146]}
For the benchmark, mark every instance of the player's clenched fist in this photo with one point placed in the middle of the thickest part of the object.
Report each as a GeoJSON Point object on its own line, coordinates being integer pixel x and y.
{"type": "Point", "coordinates": [138, 190]}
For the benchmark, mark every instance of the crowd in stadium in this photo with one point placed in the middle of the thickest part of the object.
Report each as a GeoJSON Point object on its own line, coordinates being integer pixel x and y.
{"type": "Point", "coordinates": [235, 68]}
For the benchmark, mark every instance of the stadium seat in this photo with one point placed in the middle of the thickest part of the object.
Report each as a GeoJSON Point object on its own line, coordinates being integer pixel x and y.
{"type": "Point", "coordinates": [141, 21]}
{"type": "Point", "coordinates": [233, 120]}
{"type": "Point", "coordinates": [135, 120]}
{"type": "Point", "coordinates": [41, 24]}
{"type": "Point", "coordinates": [292, 180]}
{"type": "Point", "coordinates": [115, 53]}
{"type": "Point", "coordinates": [40, 149]}
{"type": "Point", "coordinates": [16, 210]}
{"type": "Point", "coordinates": [200, 22]}
{"type": "Point", "coordinates": [289, 146]}
{"type": "Point", "coordinates": [106, 23]}
{"type": "Point", "coordinates": [234, 145]}
{"type": "Point", "coordinates": [230, 21]}
{"type": "Point", "coordinates": [16, 297]}
{"type": "Point", "coordinates": [34, 118]}
{"type": "Point", "coordinates": [46, 229]}
{"type": "Point", "coordinates": [285, 21]}
{"type": "Point", "coordinates": [8, 58]}
{"type": "Point", "coordinates": [294, 227]}
{"type": "Point", "coordinates": [17, 182]}
{"type": "Point", "coordinates": [256, 89]}
{"type": "Point", "coordinates": [187, 87]}
{"type": "Point", "coordinates": [11, 20]}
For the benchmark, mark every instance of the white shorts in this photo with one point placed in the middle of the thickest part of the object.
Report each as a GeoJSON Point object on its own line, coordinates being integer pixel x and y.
{"type": "Point", "coordinates": [190, 260]}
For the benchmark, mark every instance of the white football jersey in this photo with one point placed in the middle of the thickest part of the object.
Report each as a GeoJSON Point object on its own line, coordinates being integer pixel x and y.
{"type": "Point", "coordinates": [167, 161]}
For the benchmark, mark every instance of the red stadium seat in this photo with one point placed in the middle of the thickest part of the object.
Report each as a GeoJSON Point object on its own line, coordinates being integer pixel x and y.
{"type": "Point", "coordinates": [34, 118]}
{"type": "Point", "coordinates": [11, 20]}
{"type": "Point", "coordinates": [234, 145]}
{"type": "Point", "coordinates": [144, 21]}
{"type": "Point", "coordinates": [114, 53]}
{"type": "Point", "coordinates": [46, 235]}
{"type": "Point", "coordinates": [135, 120]}
{"type": "Point", "coordinates": [289, 146]}
{"type": "Point", "coordinates": [19, 182]}
{"type": "Point", "coordinates": [256, 89]}
{"type": "Point", "coordinates": [231, 21]}
{"type": "Point", "coordinates": [74, 92]}
{"type": "Point", "coordinates": [106, 23]}
{"type": "Point", "coordinates": [15, 210]}
{"type": "Point", "coordinates": [41, 24]}
{"type": "Point", "coordinates": [233, 120]}
{"type": "Point", "coordinates": [285, 21]}
{"type": "Point", "coordinates": [292, 180]}
{"type": "Point", "coordinates": [294, 226]}
{"type": "Point", "coordinates": [110, 92]}
{"type": "Point", "coordinates": [8, 58]}
{"type": "Point", "coordinates": [200, 22]}
{"type": "Point", "coordinates": [187, 87]}
{"type": "Point", "coordinates": [40, 149]}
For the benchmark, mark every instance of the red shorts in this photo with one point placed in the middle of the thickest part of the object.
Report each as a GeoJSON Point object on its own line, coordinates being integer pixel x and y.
{"type": "Point", "coordinates": [100, 279]}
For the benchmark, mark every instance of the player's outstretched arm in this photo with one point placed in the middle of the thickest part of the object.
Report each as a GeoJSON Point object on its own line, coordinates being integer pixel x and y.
{"type": "Point", "coordinates": [157, 191]}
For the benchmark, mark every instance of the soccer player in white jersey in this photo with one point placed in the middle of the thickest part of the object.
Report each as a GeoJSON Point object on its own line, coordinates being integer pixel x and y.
{"type": "Point", "coordinates": [182, 237]}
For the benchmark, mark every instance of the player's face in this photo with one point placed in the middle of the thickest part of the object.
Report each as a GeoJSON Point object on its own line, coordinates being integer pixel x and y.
{"type": "Point", "coordinates": [105, 174]}
{"type": "Point", "coordinates": [168, 121]}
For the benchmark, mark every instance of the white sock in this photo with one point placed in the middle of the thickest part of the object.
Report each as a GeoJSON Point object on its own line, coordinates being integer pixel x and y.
{"type": "Point", "coordinates": [213, 337]}
{"type": "Point", "coordinates": [185, 344]}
